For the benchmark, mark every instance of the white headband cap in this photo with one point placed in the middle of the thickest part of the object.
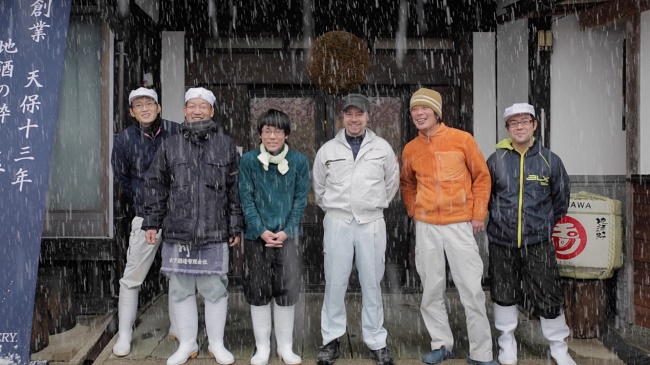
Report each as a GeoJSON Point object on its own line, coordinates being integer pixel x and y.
{"type": "Point", "coordinates": [518, 108]}
{"type": "Point", "coordinates": [143, 91]}
{"type": "Point", "coordinates": [199, 92]}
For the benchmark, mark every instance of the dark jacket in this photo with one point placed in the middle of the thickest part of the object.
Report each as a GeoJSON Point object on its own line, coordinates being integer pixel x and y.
{"type": "Point", "coordinates": [133, 151]}
{"type": "Point", "coordinates": [530, 193]}
{"type": "Point", "coordinates": [191, 189]}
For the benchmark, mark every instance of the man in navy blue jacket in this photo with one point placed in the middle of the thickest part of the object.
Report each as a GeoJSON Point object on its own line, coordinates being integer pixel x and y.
{"type": "Point", "coordinates": [530, 193]}
{"type": "Point", "coordinates": [133, 151]}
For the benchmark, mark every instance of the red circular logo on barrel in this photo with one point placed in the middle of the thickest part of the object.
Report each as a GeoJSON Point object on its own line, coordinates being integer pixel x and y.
{"type": "Point", "coordinates": [569, 238]}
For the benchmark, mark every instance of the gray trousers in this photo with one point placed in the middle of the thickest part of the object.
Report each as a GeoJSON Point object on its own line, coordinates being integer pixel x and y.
{"type": "Point", "coordinates": [366, 245]}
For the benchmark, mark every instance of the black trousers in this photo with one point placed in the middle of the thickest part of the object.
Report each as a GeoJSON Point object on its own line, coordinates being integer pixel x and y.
{"type": "Point", "coordinates": [272, 272]}
{"type": "Point", "coordinates": [527, 276]}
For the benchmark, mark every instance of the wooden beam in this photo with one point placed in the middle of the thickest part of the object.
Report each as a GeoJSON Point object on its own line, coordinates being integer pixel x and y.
{"type": "Point", "coordinates": [539, 90]}
{"type": "Point", "coordinates": [611, 11]}
{"type": "Point", "coordinates": [525, 9]}
{"type": "Point", "coordinates": [632, 139]}
{"type": "Point", "coordinates": [581, 2]}
{"type": "Point", "coordinates": [466, 81]}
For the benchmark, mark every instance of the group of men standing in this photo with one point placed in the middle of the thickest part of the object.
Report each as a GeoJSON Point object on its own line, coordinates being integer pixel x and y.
{"type": "Point", "coordinates": [192, 192]}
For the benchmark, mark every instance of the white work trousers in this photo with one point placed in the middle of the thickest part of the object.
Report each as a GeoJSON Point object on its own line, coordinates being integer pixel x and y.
{"type": "Point", "coordinates": [365, 244]}
{"type": "Point", "coordinates": [456, 241]}
{"type": "Point", "coordinates": [139, 256]}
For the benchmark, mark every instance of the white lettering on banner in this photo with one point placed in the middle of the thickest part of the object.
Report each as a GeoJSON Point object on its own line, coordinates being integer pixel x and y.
{"type": "Point", "coordinates": [24, 151]}
{"type": "Point", "coordinates": [30, 103]}
{"type": "Point", "coordinates": [38, 6]}
{"type": "Point", "coordinates": [7, 69]}
{"type": "Point", "coordinates": [4, 112]}
{"type": "Point", "coordinates": [8, 46]}
{"type": "Point", "coordinates": [21, 178]}
{"type": "Point", "coordinates": [33, 75]}
{"type": "Point", "coordinates": [28, 126]}
{"type": "Point", "coordinates": [39, 30]}
{"type": "Point", "coordinates": [183, 261]}
{"type": "Point", "coordinates": [8, 336]}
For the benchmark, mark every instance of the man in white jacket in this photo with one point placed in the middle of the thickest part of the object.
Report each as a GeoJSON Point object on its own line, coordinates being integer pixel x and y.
{"type": "Point", "coordinates": [356, 175]}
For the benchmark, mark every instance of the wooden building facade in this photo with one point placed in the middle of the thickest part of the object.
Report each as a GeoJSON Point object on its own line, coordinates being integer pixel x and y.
{"type": "Point", "coordinates": [255, 55]}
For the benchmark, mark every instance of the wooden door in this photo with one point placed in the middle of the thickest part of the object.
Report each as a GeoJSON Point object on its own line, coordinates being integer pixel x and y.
{"type": "Point", "coordinates": [308, 128]}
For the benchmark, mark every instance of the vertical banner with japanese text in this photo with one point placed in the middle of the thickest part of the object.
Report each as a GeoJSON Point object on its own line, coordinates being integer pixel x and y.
{"type": "Point", "coordinates": [32, 51]}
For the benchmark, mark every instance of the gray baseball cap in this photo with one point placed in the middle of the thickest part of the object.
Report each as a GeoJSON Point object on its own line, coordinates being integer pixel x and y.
{"type": "Point", "coordinates": [358, 100]}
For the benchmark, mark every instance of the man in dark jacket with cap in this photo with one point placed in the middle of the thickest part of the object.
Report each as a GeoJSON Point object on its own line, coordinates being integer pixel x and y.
{"type": "Point", "coordinates": [133, 151]}
{"type": "Point", "coordinates": [530, 194]}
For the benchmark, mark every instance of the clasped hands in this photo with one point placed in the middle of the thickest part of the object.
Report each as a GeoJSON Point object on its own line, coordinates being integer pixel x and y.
{"type": "Point", "coordinates": [273, 240]}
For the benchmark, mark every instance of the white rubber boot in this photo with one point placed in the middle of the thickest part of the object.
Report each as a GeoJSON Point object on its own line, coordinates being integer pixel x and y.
{"type": "Point", "coordinates": [215, 324]}
{"type": "Point", "coordinates": [127, 309]}
{"type": "Point", "coordinates": [283, 318]}
{"type": "Point", "coordinates": [187, 322]}
{"type": "Point", "coordinates": [172, 321]}
{"type": "Point", "coordinates": [556, 331]}
{"type": "Point", "coordinates": [506, 320]}
{"type": "Point", "coordinates": [261, 318]}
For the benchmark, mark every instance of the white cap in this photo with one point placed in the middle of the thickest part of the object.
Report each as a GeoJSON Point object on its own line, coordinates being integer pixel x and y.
{"type": "Point", "coordinates": [199, 92]}
{"type": "Point", "coordinates": [143, 91]}
{"type": "Point", "coordinates": [518, 108]}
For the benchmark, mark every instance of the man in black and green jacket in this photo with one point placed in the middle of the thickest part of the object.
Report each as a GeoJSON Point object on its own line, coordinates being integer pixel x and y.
{"type": "Point", "coordinates": [530, 193]}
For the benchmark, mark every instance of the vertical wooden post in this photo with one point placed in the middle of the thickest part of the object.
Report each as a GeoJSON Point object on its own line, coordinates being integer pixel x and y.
{"type": "Point", "coordinates": [539, 64]}
{"type": "Point", "coordinates": [631, 110]}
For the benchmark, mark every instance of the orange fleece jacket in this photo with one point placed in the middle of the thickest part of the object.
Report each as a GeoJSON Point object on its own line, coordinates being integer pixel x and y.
{"type": "Point", "coordinates": [445, 178]}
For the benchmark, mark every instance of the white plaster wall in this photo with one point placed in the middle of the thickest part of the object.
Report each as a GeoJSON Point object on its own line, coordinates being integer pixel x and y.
{"type": "Point", "coordinates": [172, 75]}
{"type": "Point", "coordinates": [586, 98]}
{"type": "Point", "coordinates": [485, 98]}
{"type": "Point", "coordinates": [644, 96]}
{"type": "Point", "coordinates": [512, 68]}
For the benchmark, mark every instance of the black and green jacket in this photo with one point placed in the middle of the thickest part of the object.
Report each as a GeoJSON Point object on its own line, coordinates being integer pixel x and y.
{"type": "Point", "coordinates": [530, 193]}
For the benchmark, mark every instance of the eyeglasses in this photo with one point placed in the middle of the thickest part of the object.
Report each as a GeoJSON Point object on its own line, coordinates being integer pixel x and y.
{"type": "Point", "coordinates": [276, 132]}
{"type": "Point", "coordinates": [139, 106]}
{"type": "Point", "coordinates": [517, 123]}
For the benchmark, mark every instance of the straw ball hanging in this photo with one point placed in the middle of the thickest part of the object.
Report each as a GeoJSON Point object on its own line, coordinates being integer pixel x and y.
{"type": "Point", "coordinates": [338, 62]}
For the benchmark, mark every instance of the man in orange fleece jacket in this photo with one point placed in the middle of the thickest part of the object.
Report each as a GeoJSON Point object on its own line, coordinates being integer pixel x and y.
{"type": "Point", "coordinates": [445, 186]}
